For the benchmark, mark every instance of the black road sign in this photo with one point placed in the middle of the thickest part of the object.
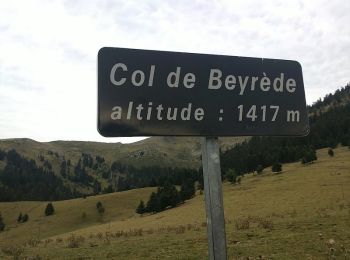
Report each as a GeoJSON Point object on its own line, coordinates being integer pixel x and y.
{"type": "Point", "coordinates": [150, 93]}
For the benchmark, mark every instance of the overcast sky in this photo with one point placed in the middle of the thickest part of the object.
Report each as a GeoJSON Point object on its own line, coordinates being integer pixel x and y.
{"type": "Point", "coordinates": [48, 50]}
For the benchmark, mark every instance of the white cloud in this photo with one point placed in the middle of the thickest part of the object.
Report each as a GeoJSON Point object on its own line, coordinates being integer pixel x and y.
{"type": "Point", "coordinates": [49, 48]}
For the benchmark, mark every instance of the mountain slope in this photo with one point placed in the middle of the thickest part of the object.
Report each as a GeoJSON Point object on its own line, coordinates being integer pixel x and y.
{"type": "Point", "coordinates": [303, 208]}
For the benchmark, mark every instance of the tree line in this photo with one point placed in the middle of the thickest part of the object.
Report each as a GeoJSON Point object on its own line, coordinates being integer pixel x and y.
{"type": "Point", "coordinates": [328, 129]}
{"type": "Point", "coordinates": [167, 196]}
{"type": "Point", "coordinates": [23, 179]}
{"type": "Point", "coordinates": [27, 179]}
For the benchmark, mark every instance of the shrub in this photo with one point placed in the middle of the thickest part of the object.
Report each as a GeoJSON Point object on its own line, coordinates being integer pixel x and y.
{"type": "Point", "coordinates": [100, 208]}
{"type": "Point", "coordinates": [242, 223]}
{"type": "Point", "coordinates": [19, 218]}
{"type": "Point", "coordinates": [277, 167]}
{"type": "Point", "coordinates": [49, 210]}
{"type": "Point", "coordinates": [75, 241]}
{"type": "Point", "coordinates": [32, 242]}
{"type": "Point", "coordinates": [2, 224]}
{"type": "Point", "coordinates": [309, 156]}
{"type": "Point", "coordinates": [99, 204]}
{"type": "Point", "coordinates": [231, 175]}
{"type": "Point", "coordinates": [259, 169]}
{"type": "Point", "coordinates": [13, 250]}
{"type": "Point", "coordinates": [25, 218]}
{"type": "Point", "coordinates": [330, 152]}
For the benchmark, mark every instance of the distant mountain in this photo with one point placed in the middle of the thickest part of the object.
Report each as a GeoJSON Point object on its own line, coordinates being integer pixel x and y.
{"type": "Point", "coordinates": [153, 151]}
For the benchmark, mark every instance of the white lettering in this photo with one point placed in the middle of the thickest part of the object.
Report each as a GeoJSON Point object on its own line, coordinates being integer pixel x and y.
{"type": "Point", "coordinates": [141, 78]}
{"type": "Point", "coordinates": [186, 112]}
{"type": "Point", "coordinates": [189, 80]}
{"type": "Point", "coordinates": [128, 116]}
{"type": "Point", "coordinates": [230, 82]}
{"type": "Point", "coordinates": [199, 114]}
{"type": "Point", "coordinates": [290, 85]}
{"type": "Point", "coordinates": [265, 81]}
{"type": "Point", "coordinates": [151, 75]}
{"type": "Point", "coordinates": [113, 71]}
{"type": "Point", "coordinates": [278, 83]}
{"type": "Point", "coordinates": [174, 75]}
{"type": "Point", "coordinates": [117, 113]}
{"type": "Point", "coordinates": [215, 75]}
{"type": "Point", "coordinates": [242, 84]}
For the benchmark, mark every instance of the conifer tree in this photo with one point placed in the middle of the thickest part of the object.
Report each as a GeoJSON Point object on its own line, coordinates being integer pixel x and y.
{"type": "Point", "coordinates": [277, 167]}
{"type": "Point", "coordinates": [49, 209]}
{"type": "Point", "coordinates": [330, 152]}
{"type": "Point", "coordinates": [259, 168]}
{"type": "Point", "coordinates": [187, 190]}
{"type": "Point", "coordinates": [153, 204]}
{"type": "Point", "coordinates": [309, 156]}
{"type": "Point", "coordinates": [25, 218]}
{"type": "Point", "coordinates": [231, 175]}
{"type": "Point", "coordinates": [2, 224]}
{"type": "Point", "coordinates": [141, 208]}
{"type": "Point", "coordinates": [19, 218]}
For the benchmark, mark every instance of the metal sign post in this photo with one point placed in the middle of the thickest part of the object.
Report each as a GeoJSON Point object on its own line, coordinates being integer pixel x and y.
{"type": "Point", "coordinates": [213, 198]}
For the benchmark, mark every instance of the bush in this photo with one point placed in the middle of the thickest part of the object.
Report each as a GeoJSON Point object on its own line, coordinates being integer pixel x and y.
{"type": "Point", "coordinates": [100, 208]}
{"type": "Point", "coordinates": [13, 250]}
{"type": "Point", "coordinates": [277, 167]}
{"type": "Point", "coordinates": [259, 169]}
{"type": "Point", "coordinates": [25, 218]}
{"type": "Point", "coordinates": [309, 156]}
{"type": "Point", "coordinates": [231, 175]}
{"type": "Point", "coordinates": [330, 152]}
{"type": "Point", "coordinates": [22, 218]}
{"type": "Point", "coordinates": [19, 218]}
{"type": "Point", "coordinates": [75, 241]}
{"type": "Point", "coordinates": [49, 209]}
{"type": "Point", "coordinates": [2, 224]}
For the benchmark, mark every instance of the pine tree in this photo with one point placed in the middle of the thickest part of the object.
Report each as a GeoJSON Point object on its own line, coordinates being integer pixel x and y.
{"type": "Point", "coordinates": [153, 204]}
{"type": "Point", "coordinates": [231, 175]}
{"type": "Point", "coordinates": [25, 218]}
{"type": "Point", "coordinates": [49, 209]}
{"type": "Point", "coordinates": [259, 168]}
{"type": "Point", "coordinates": [141, 208]}
{"type": "Point", "coordinates": [330, 152]}
{"type": "Point", "coordinates": [2, 224]}
{"type": "Point", "coordinates": [277, 167]}
{"type": "Point", "coordinates": [100, 208]}
{"type": "Point", "coordinates": [309, 156]}
{"type": "Point", "coordinates": [19, 218]}
{"type": "Point", "coordinates": [187, 190]}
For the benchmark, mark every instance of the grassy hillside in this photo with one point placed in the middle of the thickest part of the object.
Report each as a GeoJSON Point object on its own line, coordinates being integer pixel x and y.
{"type": "Point", "coordinates": [303, 213]}
{"type": "Point", "coordinates": [69, 215]}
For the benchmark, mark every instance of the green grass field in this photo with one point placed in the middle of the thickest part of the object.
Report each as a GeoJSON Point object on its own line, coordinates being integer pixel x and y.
{"type": "Point", "coordinates": [303, 213]}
